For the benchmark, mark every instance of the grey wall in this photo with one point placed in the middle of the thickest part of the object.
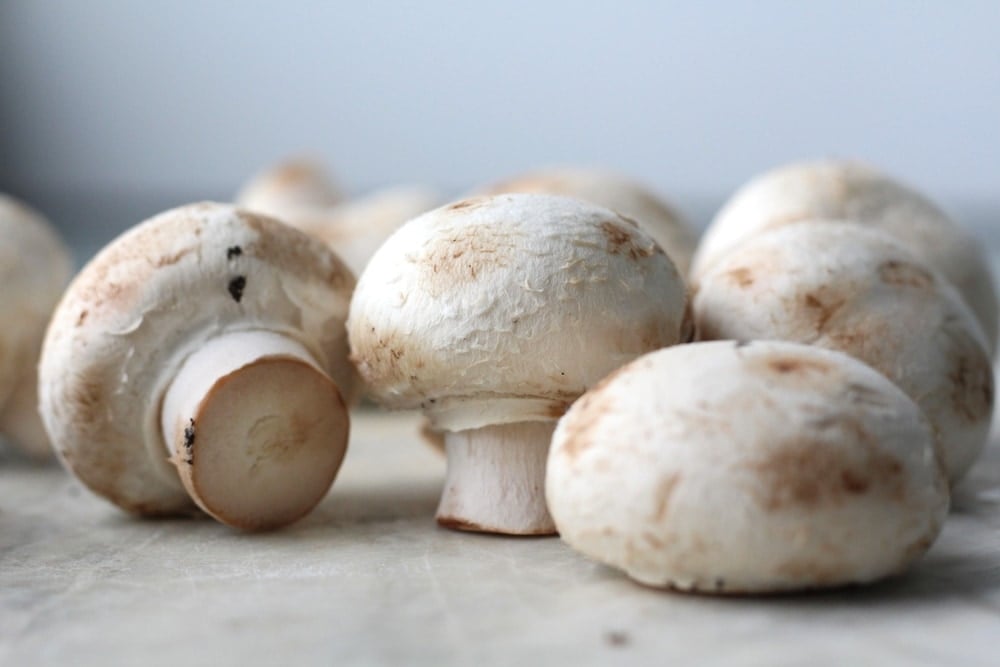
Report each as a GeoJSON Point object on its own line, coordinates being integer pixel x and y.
{"type": "Point", "coordinates": [193, 95]}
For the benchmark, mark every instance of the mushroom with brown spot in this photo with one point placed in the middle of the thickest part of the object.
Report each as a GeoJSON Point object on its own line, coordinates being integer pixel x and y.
{"type": "Point", "coordinates": [356, 228]}
{"type": "Point", "coordinates": [35, 266]}
{"type": "Point", "coordinates": [492, 315]}
{"type": "Point", "coordinates": [201, 358]}
{"type": "Point", "coordinates": [857, 194]}
{"type": "Point", "coordinates": [618, 193]}
{"type": "Point", "coordinates": [857, 290]}
{"type": "Point", "coordinates": [754, 468]}
{"type": "Point", "coordinates": [289, 187]}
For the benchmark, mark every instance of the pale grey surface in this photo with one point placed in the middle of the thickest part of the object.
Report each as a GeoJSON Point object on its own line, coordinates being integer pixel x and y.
{"type": "Point", "coordinates": [369, 579]}
{"type": "Point", "coordinates": [691, 97]}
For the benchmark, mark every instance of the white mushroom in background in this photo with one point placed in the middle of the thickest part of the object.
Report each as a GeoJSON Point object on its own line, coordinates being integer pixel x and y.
{"type": "Point", "coordinates": [202, 358]}
{"type": "Point", "coordinates": [761, 467]}
{"type": "Point", "coordinates": [356, 228]}
{"type": "Point", "coordinates": [857, 290]}
{"type": "Point", "coordinates": [493, 314]}
{"type": "Point", "coordinates": [35, 266]}
{"type": "Point", "coordinates": [289, 187]}
{"type": "Point", "coordinates": [618, 193]}
{"type": "Point", "coordinates": [856, 193]}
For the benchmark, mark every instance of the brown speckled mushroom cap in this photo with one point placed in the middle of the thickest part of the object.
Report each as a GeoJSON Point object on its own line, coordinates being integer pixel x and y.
{"type": "Point", "coordinates": [857, 290]}
{"type": "Point", "coordinates": [492, 315]}
{"type": "Point", "coordinates": [853, 192]}
{"type": "Point", "coordinates": [504, 309]}
{"type": "Point", "coordinates": [149, 300]}
{"type": "Point", "coordinates": [618, 193]}
{"type": "Point", "coordinates": [35, 266]}
{"type": "Point", "coordinates": [288, 187]}
{"type": "Point", "coordinates": [732, 467]}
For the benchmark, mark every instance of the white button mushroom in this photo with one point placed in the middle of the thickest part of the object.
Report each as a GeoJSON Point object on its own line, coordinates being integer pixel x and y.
{"type": "Point", "coordinates": [731, 467]}
{"type": "Point", "coordinates": [35, 266]}
{"type": "Point", "coordinates": [857, 290]}
{"type": "Point", "coordinates": [355, 229]}
{"type": "Point", "coordinates": [215, 338]}
{"type": "Point", "coordinates": [493, 314]}
{"type": "Point", "coordinates": [288, 187]}
{"type": "Point", "coordinates": [618, 193]}
{"type": "Point", "coordinates": [852, 192]}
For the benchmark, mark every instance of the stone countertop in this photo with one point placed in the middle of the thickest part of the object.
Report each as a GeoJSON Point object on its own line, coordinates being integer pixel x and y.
{"type": "Point", "coordinates": [368, 578]}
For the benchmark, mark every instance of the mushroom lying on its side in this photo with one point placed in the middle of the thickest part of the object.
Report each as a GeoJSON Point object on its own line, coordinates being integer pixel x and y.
{"type": "Point", "coordinates": [618, 193]}
{"type": "Point", "coordinates": [851, 192]}
{"type": "Point", "coordinates": [493, 314]}
{"type": "Point", "coordinates": [857, 290]}
{"type": "Point", "coordinates": [731, 467]}
{"type": "Point", "coordinates": [35, 266]}
{"type": "Point", "coordinates": [289, 187]}
{"type": "Point", "coordinates": [214, 338]}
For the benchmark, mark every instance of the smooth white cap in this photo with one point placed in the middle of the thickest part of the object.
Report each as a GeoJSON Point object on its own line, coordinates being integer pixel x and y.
{"type": "Point", "coordinates": [759, 467]}
{"type": "Point", "coordinates": [504, 309]}
{"type": "Point", "coordinates": [853, 192]}
{"type": "Point", "coordinates": [144, 304]}
{"type": "Point", "coordinates": [617, 192]}
{"type": "Point", "coordinates": [857, 290]}
{"type": "Point", "coordinates": [35, 266]}
{"type": "Point", "coordinates": [288, 187]}
{"type": "Point", "coordinates": [355, 229]}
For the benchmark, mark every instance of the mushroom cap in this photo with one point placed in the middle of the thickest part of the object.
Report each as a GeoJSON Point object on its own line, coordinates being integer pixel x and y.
{"type": "Point", "coordinates": [503, 309]}
{"type": "Point", "coordinates": [35, 266]}
{"type": "Point", "coordinates": [857, 290]}
{"type": "Point", "coordinates": [733, 467]}
{"type": "Point", "coordinates": [150, 298]}
{"type": "Point", "coordinates": [618, 193]}
{"type": "Point", "coordinates": [355, 229]}
{"type": "Point", "coordinates": [856, 193]}
{"type": "Point", "coordinates": [288, 187]}
{"type": "Point", "coordinates": [20, 422]}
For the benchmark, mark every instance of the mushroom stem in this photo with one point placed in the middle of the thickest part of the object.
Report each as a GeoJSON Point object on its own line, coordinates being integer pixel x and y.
{"type": "Point", "coordinates": [256, 429]}
{"type": "Point", "coordinates": [496, 479]}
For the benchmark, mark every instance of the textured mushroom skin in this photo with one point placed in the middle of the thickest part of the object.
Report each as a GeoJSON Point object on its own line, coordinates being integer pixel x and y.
{"type": "Point", "coordinates": [860, 292]}
{"type": "Point", "coordinates": [35, 266]}
{"type": "Point", "coordinates": [618, 193]}
{"type": "Point", "coordinates": [490, 310]}
{"type": "Point", "coordinates": [856, 193]}
{"type": "Point", "coordinates": [731, 467]}
{"type": "Point", "coordinates": [144, 303]}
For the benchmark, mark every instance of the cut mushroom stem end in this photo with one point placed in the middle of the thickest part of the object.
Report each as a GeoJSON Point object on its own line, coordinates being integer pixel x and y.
{"type": "Point", "coordinates": [257, 431]}
{"type": "Point", "coordinates": [496, 479]}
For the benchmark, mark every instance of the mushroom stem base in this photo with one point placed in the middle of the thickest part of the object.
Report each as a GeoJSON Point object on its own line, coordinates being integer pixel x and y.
{"type": "Point", "coordinates": [256, 429]}
{"type": "Point", "coordinates": [496, 479]}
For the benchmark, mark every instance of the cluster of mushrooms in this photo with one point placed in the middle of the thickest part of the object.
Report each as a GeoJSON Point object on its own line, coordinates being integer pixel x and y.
{"type": "Point", "coordinates": [784, 405]}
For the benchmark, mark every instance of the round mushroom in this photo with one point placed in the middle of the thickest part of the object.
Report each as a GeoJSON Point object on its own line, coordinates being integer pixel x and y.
{"type": "Point", "coordinates": [618, 193]}
{"type": "Point", "coordinates": [355, 229]}
{"type": "Point", "coordinates": [202, 357]}
{"type": "Point", "coordinates": [858, 194]}
{"type": "Point", "coordinates": [35, 266]}
{"type": "Point", "coordinates": [857, 290]}
{"type": "Point", "coordinates": [288, 188]}
{"type": "Point", "coordinates": [493, 314]}
{"type": "Point", "coordinates": [731, 467]}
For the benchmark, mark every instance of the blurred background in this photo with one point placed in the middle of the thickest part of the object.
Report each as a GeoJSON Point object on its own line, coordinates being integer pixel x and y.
{"type": "Point", "coordinates": [112, 110]}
